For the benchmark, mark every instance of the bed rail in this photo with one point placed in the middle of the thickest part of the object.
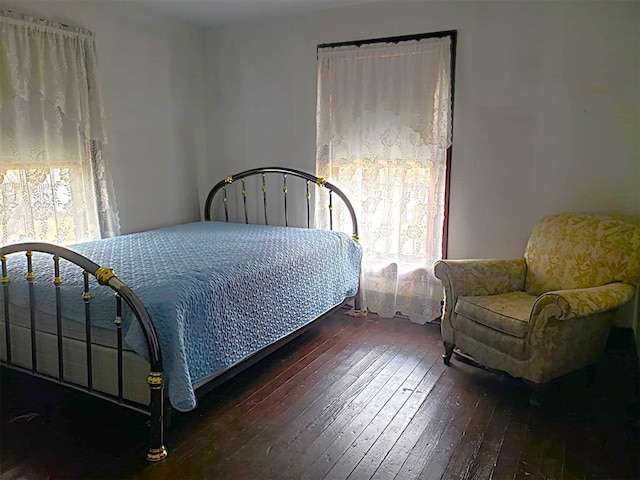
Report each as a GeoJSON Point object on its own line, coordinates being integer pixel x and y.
{"type": "Point", "coordinates": [318, 181]}
{"type": "Point", "coordinates": [105, 277]}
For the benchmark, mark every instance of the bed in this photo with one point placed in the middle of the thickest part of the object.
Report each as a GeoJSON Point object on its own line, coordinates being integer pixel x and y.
{"type": "Point", "coordinates": [190, 306]}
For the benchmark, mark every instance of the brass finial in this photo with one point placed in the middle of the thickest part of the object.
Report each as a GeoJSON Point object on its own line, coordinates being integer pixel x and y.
{"type": "Point", "coordinates": [103, 274]}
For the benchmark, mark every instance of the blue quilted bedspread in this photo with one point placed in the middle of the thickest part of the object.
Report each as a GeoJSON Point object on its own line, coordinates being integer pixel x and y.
{"type": "Point", "coordinates": [217, 292]}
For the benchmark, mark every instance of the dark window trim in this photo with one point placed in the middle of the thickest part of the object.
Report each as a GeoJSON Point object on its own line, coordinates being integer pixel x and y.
{"type": "Point", "coordinates": [420, 36]}
{"type": "Point", "coordinates": [404, 38]}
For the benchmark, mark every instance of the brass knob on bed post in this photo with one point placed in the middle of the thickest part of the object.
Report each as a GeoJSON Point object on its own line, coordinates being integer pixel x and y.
{"type": "Point", "coordinates": [104, 274]}
{"type": "Point", "coordinates": [154, 380]}
{"type": "Point", "coordinates": [157, 454]}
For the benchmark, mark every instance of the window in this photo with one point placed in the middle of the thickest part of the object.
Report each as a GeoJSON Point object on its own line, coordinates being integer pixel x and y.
{"type": "Point", "coordinates": [53, 182]}
{"type": "Point", "coordinates": [36, 203]}
{"type": "Point", "coordinates": [384, 114]}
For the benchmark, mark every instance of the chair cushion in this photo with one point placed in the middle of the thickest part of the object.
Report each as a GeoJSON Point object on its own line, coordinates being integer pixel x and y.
{"type": "Point", "coordinates": [507, 313]}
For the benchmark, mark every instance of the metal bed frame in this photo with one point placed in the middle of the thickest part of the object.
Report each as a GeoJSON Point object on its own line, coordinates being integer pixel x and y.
{"type": "Point", "coordinates": [106, 277]}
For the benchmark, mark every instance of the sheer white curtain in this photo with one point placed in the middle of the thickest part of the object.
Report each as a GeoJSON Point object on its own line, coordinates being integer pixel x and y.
{"type": "Point", "coordinates": [383, 129]}
{"type": "Point", "coordinates": [53, 181]}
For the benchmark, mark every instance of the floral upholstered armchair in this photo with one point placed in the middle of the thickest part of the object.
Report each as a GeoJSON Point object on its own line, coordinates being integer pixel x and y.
{"type": "Point", "coordinates": [549, 313]}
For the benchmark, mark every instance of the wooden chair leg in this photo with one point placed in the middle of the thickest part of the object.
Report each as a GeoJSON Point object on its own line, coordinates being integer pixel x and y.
{"type": "Point", "coordinates": [448, 351]}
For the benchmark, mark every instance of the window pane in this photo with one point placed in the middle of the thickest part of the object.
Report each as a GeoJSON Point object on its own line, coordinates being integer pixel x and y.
{"type": "Point", "coordinates": [36, 203]}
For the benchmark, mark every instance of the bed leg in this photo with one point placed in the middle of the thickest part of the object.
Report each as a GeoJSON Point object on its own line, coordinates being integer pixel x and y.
{"type": "Point", "coordinates": [157, 451]}
{"type": "Point", "coordinates": [357, 302]}
{"type": "Point", "coordinates": [357, 310]}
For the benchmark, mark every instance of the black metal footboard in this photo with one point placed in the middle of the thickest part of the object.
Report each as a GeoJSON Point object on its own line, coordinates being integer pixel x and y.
{"type": "Point", "coordinates": [105, 277]}
{"type": "Point", "coordinates": [284, 172]}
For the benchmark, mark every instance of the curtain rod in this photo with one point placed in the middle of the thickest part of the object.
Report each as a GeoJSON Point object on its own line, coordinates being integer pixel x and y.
{"type": "Point", "coordinates": [404, 38]}
{"type": "Point", "coordinates": [39, 19]}
{"type": "Point", "coordinates": [17, 18]}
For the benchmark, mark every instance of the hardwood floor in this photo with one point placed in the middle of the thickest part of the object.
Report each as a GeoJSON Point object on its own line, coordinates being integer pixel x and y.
{"type": "Point", "coordinates": [351, 398]}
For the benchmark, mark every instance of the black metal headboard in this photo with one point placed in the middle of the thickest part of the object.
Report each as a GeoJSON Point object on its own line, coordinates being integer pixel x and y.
{"type": "Point", "coordinates": [318, 181]}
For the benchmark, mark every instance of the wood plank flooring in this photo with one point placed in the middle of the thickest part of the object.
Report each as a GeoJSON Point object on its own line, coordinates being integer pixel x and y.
{"type": "Point", "coordinates": [350, 399]}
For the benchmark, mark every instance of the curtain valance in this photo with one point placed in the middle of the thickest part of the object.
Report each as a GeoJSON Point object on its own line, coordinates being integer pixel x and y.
{"type": "Point", "coordinates": [55, 63]}
{"type": "Point", "coordinates": [381, 77]}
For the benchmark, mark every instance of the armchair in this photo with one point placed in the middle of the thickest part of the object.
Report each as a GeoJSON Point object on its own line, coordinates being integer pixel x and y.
{"type": "Point", "coordinates": [549, 313]}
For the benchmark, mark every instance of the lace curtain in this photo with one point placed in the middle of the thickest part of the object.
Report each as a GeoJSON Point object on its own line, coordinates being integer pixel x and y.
{"type": "Point", "coordinates": [383, 129]}
{"type": "Point", "coordinates": [53, 181]}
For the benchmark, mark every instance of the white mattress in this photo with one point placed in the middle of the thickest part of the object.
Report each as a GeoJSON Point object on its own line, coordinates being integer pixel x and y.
{"type": "Point", "coordinates": [45, 322]}
{"type": "Point", "coordinates": [104, 357]}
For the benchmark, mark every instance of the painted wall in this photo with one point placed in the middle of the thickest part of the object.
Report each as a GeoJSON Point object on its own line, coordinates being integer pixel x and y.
{"type": "Point", "coordinates": [546, 114]}
{"type": "Point", "coordinates": [150, 68]}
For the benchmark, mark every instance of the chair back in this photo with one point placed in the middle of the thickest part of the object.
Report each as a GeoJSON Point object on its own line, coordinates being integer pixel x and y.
{"type": "Point", "coordinates": [570, 251]}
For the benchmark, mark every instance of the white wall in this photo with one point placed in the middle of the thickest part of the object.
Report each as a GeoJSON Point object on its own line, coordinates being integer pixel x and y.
{"type": "Point", "coordinates": [151, 74]}
{"type": "Point", "coordinates": [546, 114]}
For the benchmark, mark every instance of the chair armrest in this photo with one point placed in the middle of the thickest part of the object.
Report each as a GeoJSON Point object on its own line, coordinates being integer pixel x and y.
{"type": "Point", "coordinates": [567, 304]}
{"type": "Point", "coordinates": [481, 277]}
